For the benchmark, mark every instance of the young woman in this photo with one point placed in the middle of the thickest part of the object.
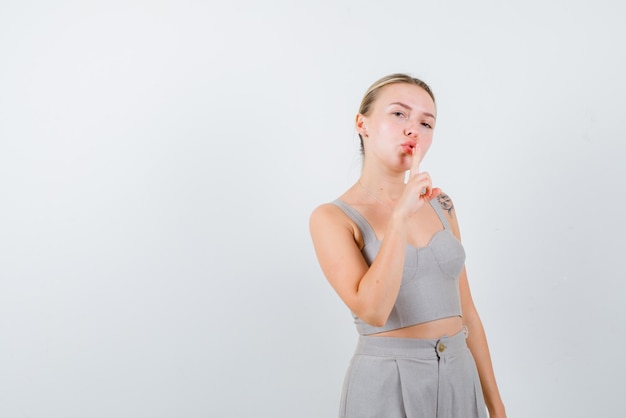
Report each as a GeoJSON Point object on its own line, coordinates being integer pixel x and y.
{"type": "Point", "coordinates": [391, 250]}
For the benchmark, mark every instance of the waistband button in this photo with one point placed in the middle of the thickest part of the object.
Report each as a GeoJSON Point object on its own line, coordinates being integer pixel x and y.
{"type": "Point", "coordinates": [442, 347]}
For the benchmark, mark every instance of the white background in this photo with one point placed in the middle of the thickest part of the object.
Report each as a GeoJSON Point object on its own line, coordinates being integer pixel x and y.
{"type": "Point", "coordinates": [159, 161]}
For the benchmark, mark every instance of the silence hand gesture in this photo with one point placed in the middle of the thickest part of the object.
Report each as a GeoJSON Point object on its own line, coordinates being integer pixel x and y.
{"type": "Point", "coordinates": [419, 187]}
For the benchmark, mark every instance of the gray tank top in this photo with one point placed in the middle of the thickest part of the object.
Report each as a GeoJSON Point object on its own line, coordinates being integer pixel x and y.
{"type": "Point", "coordinates": [430, 281]}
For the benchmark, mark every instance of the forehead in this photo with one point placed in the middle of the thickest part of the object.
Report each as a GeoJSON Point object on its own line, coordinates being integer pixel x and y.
{"type": "Point", "coordinates": [408, 94]}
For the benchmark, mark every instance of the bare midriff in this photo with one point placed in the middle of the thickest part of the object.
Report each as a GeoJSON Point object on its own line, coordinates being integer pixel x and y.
{"type": "Point", "coordinates": [428, 330]}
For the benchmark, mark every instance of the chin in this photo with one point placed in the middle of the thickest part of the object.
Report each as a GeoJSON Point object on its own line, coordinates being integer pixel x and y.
{"type": "Point", "coordinates": [405, 162]}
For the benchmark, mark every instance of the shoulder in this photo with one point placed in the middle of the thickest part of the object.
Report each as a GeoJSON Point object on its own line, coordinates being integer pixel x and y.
{"type": "Point", "coordinates": [328, 215]}
{"type": "Point", "coordinates": [445, 202]}
{"type": "Point", "coordinates": [325, 211]}
{"type": "Point", "coordinates": [447, 205]}
{"type": "Point", "coordinates": [328, 222]}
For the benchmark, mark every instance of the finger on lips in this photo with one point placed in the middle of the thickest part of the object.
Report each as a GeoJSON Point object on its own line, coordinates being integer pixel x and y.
{"type": "Point", "coordinates": [427, 190]}
{"type": "Point", "coordinates": [415, 164]}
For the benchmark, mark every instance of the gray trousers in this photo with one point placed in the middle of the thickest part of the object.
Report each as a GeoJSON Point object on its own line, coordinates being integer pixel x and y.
{"type": "Point", "coordinates": [412, 378]}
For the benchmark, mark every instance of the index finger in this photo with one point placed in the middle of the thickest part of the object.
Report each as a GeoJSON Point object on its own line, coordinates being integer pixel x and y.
{"type": "Point", "coordinates": [417, 158]}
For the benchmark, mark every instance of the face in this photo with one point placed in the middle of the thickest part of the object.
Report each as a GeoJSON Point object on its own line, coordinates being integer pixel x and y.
{"type": "Point", "coordinates": [402, 116]}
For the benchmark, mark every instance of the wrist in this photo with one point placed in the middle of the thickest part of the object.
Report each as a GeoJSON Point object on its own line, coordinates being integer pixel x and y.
{"type": "Point", "coordinates": [397, 225]}
{"type": "Point", "coordinates": [399, 216]}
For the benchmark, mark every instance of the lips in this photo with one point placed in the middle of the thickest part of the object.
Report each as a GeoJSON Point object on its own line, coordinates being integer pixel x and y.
{"type": "Point", "coordinates": [408, 146]}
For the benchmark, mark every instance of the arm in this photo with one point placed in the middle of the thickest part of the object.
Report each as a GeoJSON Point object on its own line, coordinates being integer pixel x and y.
{"type": "Point", "coordinates": [477, 343]}
{"type": "Point", "coordinates": [477, 340]}
{"type": "Point", "coordinates": [369, 291]}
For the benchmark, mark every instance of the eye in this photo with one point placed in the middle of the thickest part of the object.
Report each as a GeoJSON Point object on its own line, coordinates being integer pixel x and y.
{"type": "Point", "coordinates": [398, 114]}
{"type": "Point", "coordinates": [428, 125]}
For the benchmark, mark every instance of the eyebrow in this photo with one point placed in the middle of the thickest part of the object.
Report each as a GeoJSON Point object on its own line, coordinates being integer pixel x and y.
{"type": "Point", "coordinates": [407, 107]}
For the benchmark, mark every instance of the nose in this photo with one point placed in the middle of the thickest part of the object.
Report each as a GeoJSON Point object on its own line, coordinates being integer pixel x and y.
{"type": "Point", "coordinates": [411, 129]}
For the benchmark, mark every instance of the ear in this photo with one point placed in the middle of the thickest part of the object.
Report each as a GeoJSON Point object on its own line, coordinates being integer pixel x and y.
{"type": "Point", "coordinates": [361, 123]}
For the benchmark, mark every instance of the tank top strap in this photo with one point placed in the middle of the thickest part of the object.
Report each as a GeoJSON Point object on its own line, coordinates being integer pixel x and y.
{"type": "Point", "coordinates": [439, 210]}
{"type": "Point", "coordinates": [359, 220]}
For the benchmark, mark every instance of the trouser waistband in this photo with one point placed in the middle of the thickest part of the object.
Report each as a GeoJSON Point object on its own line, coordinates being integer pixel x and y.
{"type": "Point", "coordinates": [412, 347]}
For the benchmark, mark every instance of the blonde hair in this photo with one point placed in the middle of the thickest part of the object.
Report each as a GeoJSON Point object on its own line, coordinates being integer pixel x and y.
{"type": "Point", "coordinates": [372, 92]}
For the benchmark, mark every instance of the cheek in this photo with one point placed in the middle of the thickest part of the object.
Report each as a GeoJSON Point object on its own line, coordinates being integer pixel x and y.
{"type": "Point", "coordinates": [426, 141]}
{"type": "Point", "coordinates": [387, 127]}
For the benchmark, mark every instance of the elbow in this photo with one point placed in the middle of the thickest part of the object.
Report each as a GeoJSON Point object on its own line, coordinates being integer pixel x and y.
{"type": "Point", "coordinates": [373, 312]}
{"type": "Point", "coordinates": [378, 323]}
{"type": "Point", "coordinates": [375, 319]}
{"type": "Point", "coordinates": [470, 316]}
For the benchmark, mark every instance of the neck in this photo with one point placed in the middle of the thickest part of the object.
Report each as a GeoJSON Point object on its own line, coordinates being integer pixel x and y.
{"type": "Point", "coordinates": [386, 187]}
{"type": "Point", "coordinates": [384, 179]}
